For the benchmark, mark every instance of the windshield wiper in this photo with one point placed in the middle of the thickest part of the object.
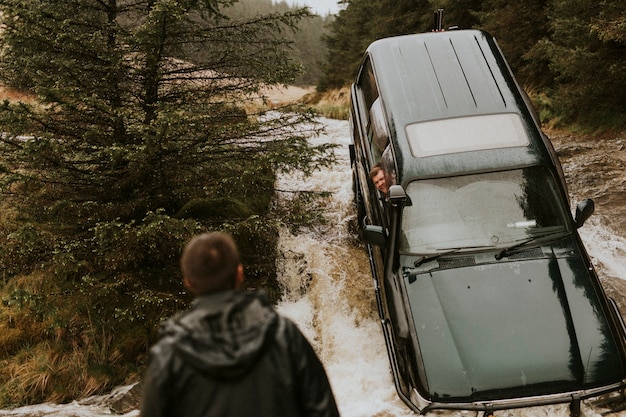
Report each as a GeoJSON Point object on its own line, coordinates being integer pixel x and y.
{"type": "Point", "coordinates": [509, 250]}
{"type": "Point", "coordinates": [431, 257]}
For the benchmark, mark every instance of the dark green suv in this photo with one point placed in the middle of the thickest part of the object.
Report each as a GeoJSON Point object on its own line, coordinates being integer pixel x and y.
{"type": "Point", "coordinates": [487, 297]}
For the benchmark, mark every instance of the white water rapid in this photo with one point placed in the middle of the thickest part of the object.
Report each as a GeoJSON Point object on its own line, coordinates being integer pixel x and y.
{"type": "Point", "coordinates": [329, 293]}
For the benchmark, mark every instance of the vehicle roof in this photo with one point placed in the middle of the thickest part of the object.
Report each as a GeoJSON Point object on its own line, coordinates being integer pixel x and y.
{"type": "Point", "coordinates": [443, 75]}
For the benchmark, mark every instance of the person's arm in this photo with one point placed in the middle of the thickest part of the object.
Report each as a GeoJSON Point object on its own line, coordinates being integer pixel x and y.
{"type": "Point", "coordinates": [155, 395]}
{"type": "Point", "coordinates": [314, 390]}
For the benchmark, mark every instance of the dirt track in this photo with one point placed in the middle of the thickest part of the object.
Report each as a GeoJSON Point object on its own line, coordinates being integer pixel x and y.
{"type": "Point", "coordinates": [286, 95]}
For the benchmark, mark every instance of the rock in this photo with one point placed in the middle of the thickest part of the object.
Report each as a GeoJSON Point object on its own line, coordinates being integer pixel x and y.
{"type": "Point", "coordinates": [127, 401]}
{"type": "Point", "coordinates": [121, 400]}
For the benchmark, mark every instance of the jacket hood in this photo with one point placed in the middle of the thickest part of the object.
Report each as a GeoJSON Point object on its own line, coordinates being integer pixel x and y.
{"type": "Point", "coordinates": [223, 334]}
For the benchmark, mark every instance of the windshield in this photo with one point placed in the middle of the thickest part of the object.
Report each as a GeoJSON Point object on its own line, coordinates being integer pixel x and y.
{"type": "Point", "coordinates": [496, 209]}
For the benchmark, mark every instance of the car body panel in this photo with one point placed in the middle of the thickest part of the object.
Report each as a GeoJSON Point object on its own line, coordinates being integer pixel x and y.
{"type": "Point", "coordinates": [476, 338]}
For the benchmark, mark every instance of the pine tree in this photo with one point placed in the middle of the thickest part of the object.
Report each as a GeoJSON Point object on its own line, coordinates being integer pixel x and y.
{"type": "Point", "coordinates": [459, 13]}
{"type": "Point", "coordinates": [128, 90]}
{"type": "Point", "coordinates": [587, 52]}
{"type": "Point", "coordinates": [361, 23]}
{"type": "Point", "coordinates": [518, 27]}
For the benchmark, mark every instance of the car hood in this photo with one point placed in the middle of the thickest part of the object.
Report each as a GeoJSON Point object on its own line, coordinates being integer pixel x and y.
{"type": "Point", "coordinates": [511, 329]}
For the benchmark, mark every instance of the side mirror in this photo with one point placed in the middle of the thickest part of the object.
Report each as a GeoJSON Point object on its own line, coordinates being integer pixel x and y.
{"type": "Point", "coordinates": [396, 195]}
{"type": "Point", "coordinates": [374, 235]}
{"type": "Point", "coordinates": [584, 210]}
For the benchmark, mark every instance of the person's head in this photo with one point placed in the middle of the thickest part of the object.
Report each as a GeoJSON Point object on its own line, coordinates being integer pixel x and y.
{"type": "Point", "coordinates": [210, 263]}
{"type": "Point", "coordinates": [377, 174]}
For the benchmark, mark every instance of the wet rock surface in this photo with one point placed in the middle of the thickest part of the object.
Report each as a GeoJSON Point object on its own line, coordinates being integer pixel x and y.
{"type": "Point", "coordinates": [120, 401]}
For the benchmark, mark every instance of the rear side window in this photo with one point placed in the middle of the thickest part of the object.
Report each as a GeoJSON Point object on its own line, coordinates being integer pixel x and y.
{"type": "Point", "coordinates": [378, 129]}
{"type": "Point", "coordinates": [375, 125]}
{"type": "Point", "coordinates": [463, 134]}
{"type": "Point", "coordinates": [367, 84]}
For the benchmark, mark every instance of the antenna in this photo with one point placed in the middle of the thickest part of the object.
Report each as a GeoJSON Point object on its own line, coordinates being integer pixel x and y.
{"type": "Point", "coordinates": [438, 24]}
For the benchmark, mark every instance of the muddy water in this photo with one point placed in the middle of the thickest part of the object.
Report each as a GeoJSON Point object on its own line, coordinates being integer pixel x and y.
{"type": "Point", "coordinates": [329, 292]}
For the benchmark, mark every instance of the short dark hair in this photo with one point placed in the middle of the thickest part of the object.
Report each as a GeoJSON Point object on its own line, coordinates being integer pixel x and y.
{"type": "Point", "coordinates": [375, 170]}
{"type": "Point", "coordinates": [209, 263]}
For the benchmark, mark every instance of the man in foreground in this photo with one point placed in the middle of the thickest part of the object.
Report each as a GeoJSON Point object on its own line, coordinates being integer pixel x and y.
{"type": "Point", "coordinates": [231, 354]}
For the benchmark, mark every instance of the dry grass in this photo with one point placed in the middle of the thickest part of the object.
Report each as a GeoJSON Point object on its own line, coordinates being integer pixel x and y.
{"type": "Point", "coordinates": [13, 95]}
{"type": "Point", "coordinates": [334, 104]}
{"type": "Point", "coordinates": [280, 96]}
{"type": "Point", "coordinates": [49, 348]}
{"type": "Point", "coordinates": [43, 372]}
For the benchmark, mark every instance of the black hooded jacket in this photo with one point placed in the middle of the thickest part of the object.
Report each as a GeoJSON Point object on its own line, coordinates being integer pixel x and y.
{"type": "Point", "coordinates": [231, 354]}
